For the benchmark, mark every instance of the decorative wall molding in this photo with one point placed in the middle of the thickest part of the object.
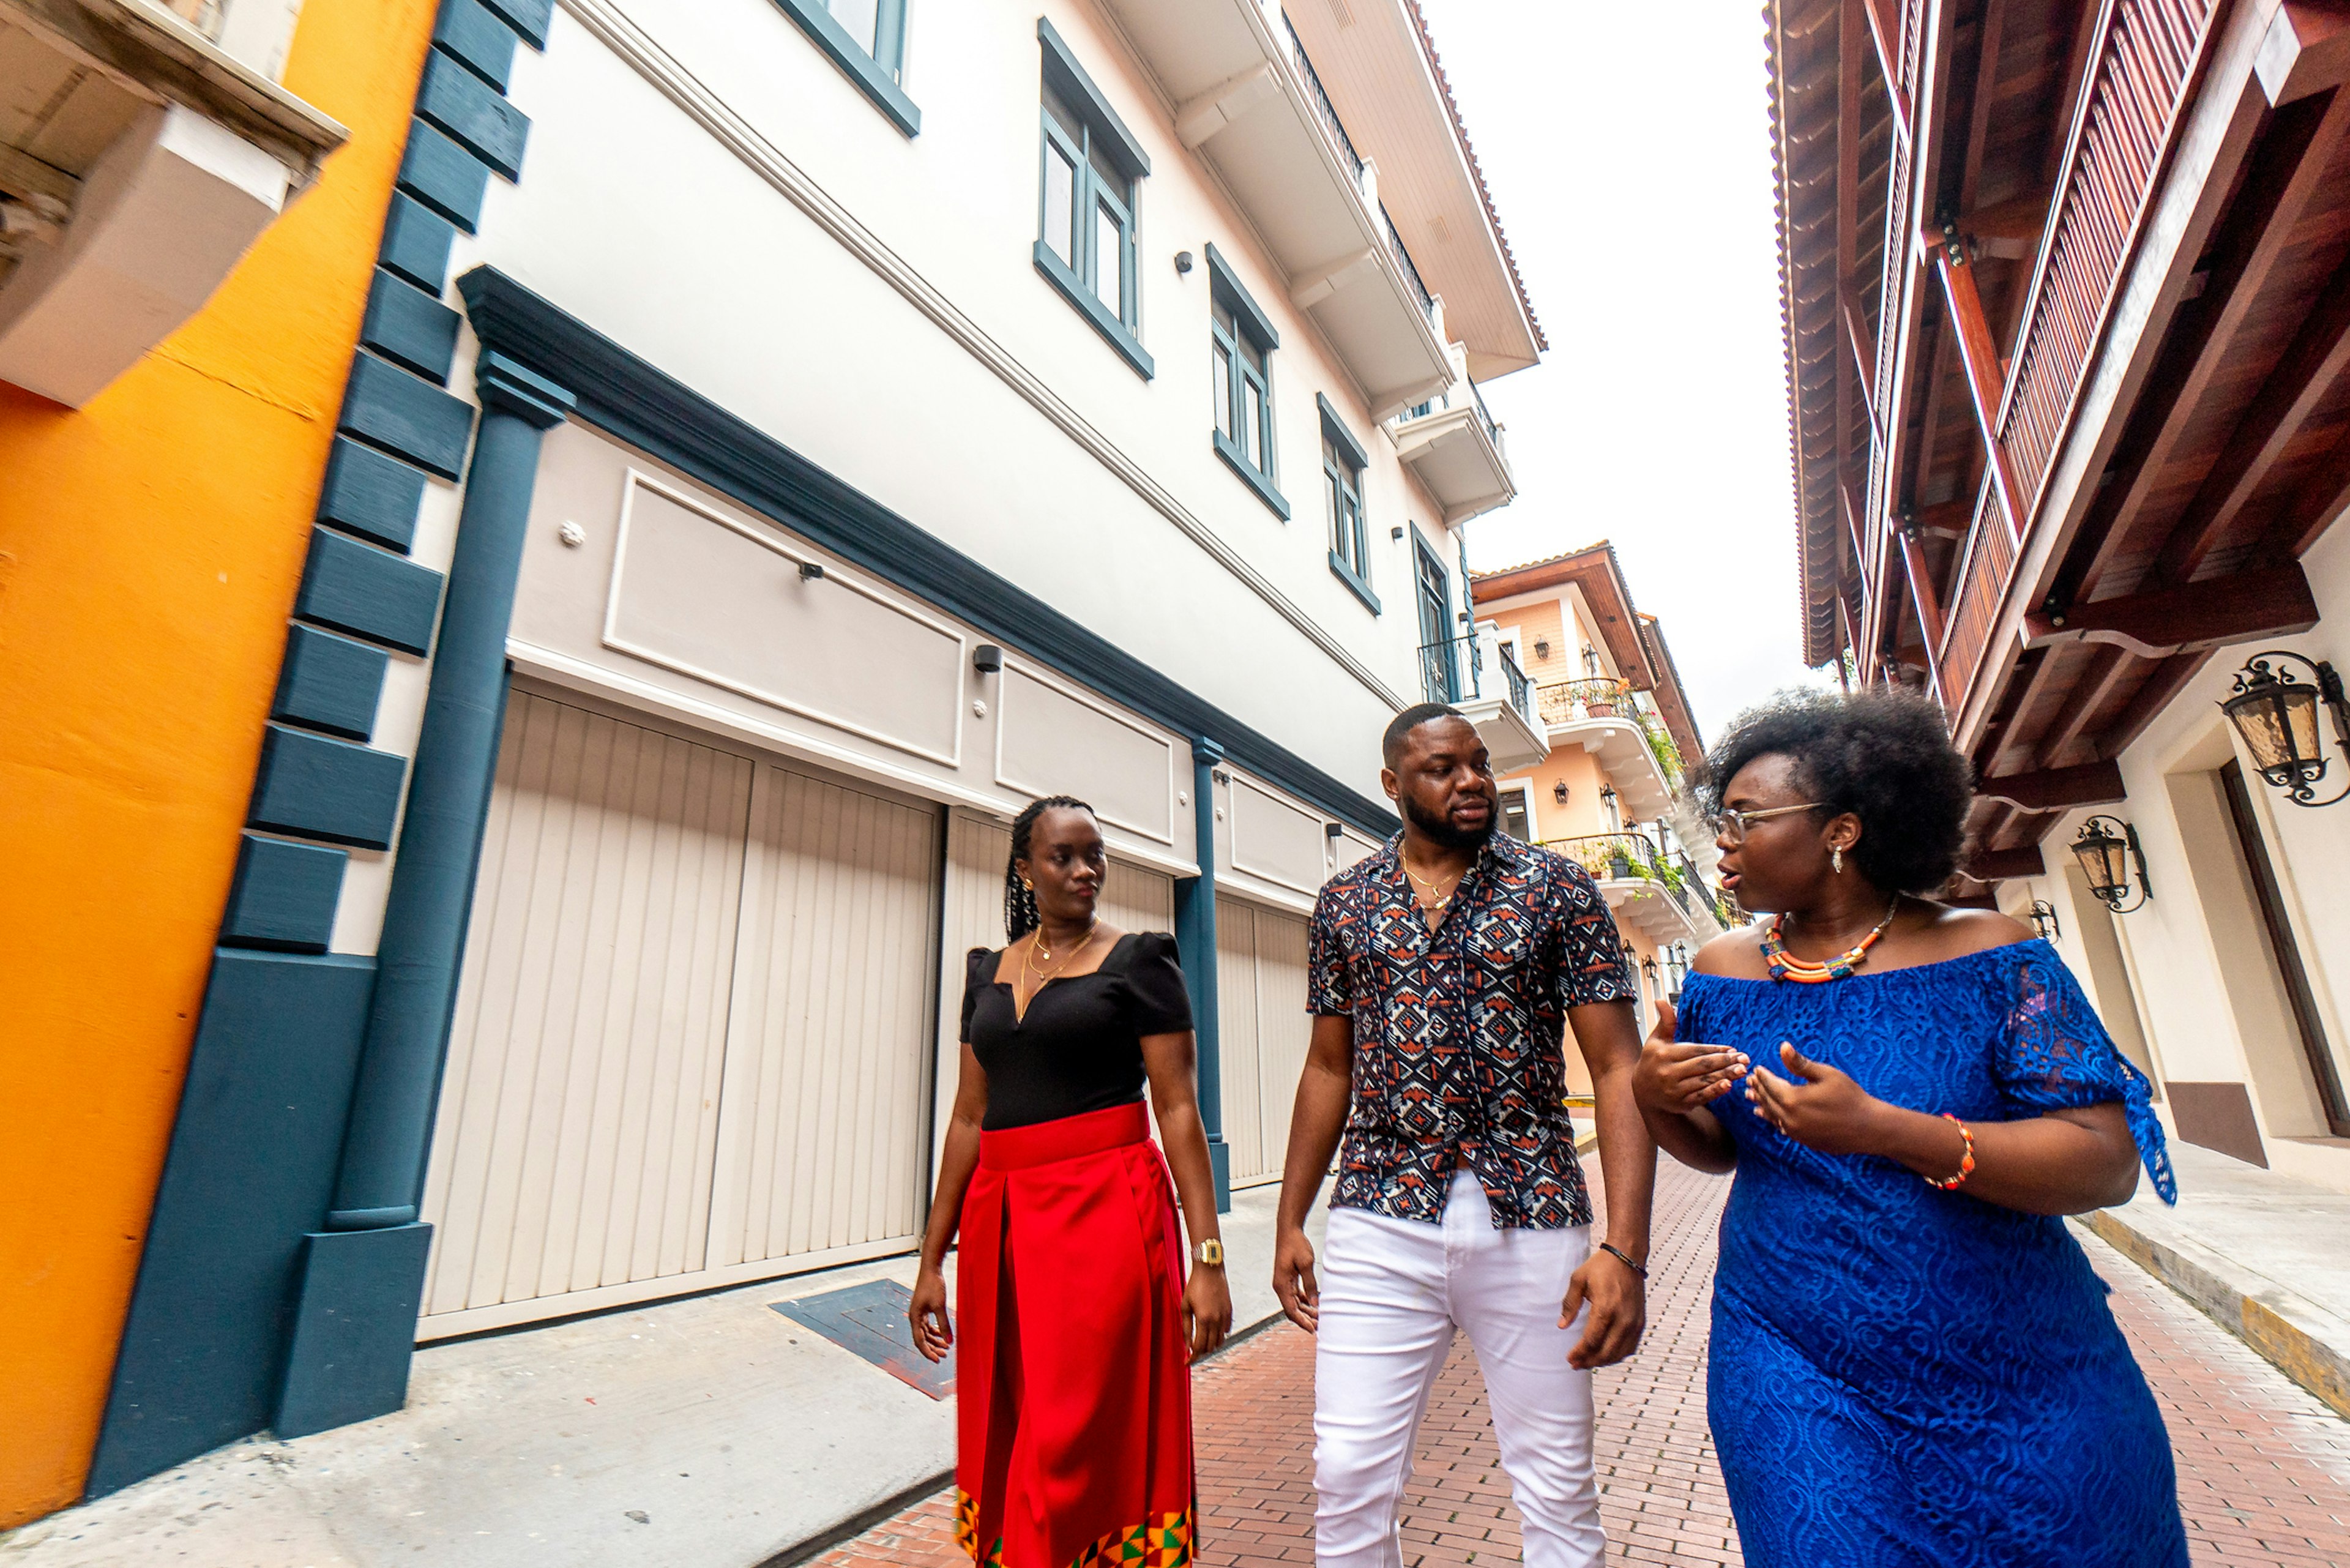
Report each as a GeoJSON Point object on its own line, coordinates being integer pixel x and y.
{"type": "Point", "coordinates": [617, 32]}
{"type": "Point", "coordinates": [1164, 832]}
{"type": "Point", "coordinates": [831, 580]}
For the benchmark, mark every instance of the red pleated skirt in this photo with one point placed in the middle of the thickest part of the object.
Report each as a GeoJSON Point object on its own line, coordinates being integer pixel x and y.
{"type": "Point", "coordinates": [1074, 1393]}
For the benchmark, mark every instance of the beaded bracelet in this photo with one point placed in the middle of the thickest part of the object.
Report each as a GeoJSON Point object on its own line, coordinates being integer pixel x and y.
{"type": "Point", "coordinates": [1966, 1165]}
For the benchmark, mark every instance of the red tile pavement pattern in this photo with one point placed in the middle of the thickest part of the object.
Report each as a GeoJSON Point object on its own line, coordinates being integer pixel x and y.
{"type": "Point", "coordinates": [2264, 1468]}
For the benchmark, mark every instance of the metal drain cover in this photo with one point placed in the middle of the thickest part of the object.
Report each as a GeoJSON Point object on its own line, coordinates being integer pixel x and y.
{"type": "Point", "coordinates": [870, 1321]}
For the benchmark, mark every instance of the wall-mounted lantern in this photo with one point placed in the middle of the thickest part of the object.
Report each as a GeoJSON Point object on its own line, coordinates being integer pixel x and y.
{"type": "Point", "coordinates": [1649, 974]}
{"type": "Point", "coordinates": [2106, 850]}
{"type": "Point", "coordinates": [2044, 924]}
{"type": "Point", "coordinates": [2277, 717]}
{"type": "Point", "coordinates": [1558, 791]}
{"type": "Point", "coordinates": [1541, 648]}
{"type": "Point", "coordinates": [1590, 660]}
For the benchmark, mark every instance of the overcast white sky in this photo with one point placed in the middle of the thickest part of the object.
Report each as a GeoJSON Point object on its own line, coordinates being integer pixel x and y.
{"type": "Point", "coordinates": [1627, 149]}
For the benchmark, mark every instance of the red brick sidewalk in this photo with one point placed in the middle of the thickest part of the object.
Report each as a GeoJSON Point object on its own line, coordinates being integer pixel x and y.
{"type": "Point", "coordinates": [2264, 1470]}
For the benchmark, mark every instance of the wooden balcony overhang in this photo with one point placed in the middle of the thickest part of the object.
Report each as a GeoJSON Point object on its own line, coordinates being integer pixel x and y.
{"type": "Point", "coordinates": [2118, 411]}
{"type": "Point", "coordinates": [2222, 454]}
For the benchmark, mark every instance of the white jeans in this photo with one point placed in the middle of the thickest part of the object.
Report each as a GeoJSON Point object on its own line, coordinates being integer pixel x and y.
{"type": "Point", "coordinates": [1393, 1292]}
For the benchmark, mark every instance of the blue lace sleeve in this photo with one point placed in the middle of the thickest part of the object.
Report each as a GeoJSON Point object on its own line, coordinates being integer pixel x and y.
{"type": "Point", "coordinates": [2054, 1054]}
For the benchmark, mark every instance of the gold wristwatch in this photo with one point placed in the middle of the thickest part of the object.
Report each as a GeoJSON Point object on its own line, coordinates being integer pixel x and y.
{"type": "Point", "coordinates": [1209, 1253]}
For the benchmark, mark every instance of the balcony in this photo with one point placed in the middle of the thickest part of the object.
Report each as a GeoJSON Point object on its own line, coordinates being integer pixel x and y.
{"type": "Point", "coordinates": [1662, 894]}
{"type": "Point", "coordinates": [1249, 102]}
{"type": "Point", "coordinates": [1452, 443]}
{"type": "Point", "coordinates": [1599, 714]}
{"type": "Point", "coordinates": [1500, 704]}
{"type": "Point", "coordinates": [144, 148]}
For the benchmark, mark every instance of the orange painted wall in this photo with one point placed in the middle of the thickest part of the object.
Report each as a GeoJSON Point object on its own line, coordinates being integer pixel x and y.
{"type": "Point", "coordinates": [150, 548]}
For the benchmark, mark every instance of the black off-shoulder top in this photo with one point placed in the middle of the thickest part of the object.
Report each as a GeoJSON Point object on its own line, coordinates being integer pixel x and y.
{"type": "Point", "coordinates": [1080, 1047]}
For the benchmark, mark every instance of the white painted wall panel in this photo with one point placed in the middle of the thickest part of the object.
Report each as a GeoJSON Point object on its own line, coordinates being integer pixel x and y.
{"type": "Point", "coordinates": [580, 1110]}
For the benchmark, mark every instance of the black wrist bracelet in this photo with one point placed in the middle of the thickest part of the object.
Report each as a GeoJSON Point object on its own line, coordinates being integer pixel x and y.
{"type": "Point", "coordinates": [1625, 1258]}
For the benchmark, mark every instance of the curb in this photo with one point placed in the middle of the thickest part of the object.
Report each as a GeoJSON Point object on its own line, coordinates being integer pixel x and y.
{"type": "Point", "coordinates": [2303, 1340]}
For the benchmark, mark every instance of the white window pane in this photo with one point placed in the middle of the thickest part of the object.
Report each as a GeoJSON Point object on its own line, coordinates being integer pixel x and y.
{"type": "Point", "coordinates": [1109, 258]}
{"type": "Point", "coordinates": [1223, 391]}
{"type": "Point", "coordinates": [1252, 437]}
{"type": "Point", "coordinates": [1060, 204]}
{"type": "Point", "coordinates": [860, 17]}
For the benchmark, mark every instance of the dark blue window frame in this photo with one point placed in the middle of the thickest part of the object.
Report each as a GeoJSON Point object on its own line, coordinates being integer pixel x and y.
{"type": "Point", "coordinates": [878, 70]}
{"type": "Point", "coordinates": [1102, 166]}
{"type": "Point", "coordinates": [1344, 464]}
{"type": "Point", "coordinates": [1241, 344]}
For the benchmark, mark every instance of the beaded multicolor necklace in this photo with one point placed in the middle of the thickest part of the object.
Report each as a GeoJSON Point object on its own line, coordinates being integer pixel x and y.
{"type": "Point", "coordinates": [1786, 965]}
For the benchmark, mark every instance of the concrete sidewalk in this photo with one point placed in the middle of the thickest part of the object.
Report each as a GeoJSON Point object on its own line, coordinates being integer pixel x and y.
{"type": "Point", "coordinates": [706, 1433]}
{"type": "Point", "coordinates": [2264, 1255]}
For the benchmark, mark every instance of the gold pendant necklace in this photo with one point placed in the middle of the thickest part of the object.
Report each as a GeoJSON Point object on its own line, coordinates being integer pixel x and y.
{"type": "Point", "coordinates": [1028, 966]}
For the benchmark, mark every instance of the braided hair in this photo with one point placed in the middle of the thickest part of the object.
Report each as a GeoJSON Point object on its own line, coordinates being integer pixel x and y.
{"type": "Point", "coordinates": [1020, 912]}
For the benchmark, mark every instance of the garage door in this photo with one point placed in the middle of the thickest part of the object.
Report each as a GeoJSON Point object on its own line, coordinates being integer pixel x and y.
{"type": "Point", "coordinates": [690, 1039]}
{"type": "Point", "coordinates": [1261, 1005]}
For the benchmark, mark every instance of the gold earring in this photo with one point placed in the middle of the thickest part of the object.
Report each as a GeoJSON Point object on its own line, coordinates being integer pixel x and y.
{"type": "Point", "coordinates": [1027, 884]}
{"type": "Point", "coordinates": [1835, 860]}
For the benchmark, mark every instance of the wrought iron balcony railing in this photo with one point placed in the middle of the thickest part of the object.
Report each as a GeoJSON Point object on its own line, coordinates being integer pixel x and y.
{"type": "Point", "coordinates": [1448, 670]}
{"type": "Point", "coordinates": [1595, 697]}
{"type": "Point", "coordinates": [1322, 104]}
{"type": "Point", "coordinates": [1403, 260]}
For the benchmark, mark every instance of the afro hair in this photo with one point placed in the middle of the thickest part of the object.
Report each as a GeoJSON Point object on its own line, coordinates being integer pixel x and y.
{"type": "Point", "coordinates": [1884, 757]}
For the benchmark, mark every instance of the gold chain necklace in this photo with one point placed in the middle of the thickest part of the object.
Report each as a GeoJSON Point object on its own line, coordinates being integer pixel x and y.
{"type": "Point", "coordinates": [1429, 884]}
{"type": "Point", "coordinates": [1028, 965]}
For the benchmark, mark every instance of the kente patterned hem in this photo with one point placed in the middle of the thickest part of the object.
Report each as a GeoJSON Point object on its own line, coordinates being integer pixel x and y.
{"type": "Point", "coordinates": [1164, 1543]}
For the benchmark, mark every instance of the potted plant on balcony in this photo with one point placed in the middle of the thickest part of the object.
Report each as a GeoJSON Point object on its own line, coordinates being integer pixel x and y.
{"type": "Point", "coordinates": [1602, 703]}
{"type": "Point", "coordinates": [1619, 864]}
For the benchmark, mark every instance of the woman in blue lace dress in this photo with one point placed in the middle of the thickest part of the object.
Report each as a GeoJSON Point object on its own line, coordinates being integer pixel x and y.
{"type": "Point", "coordinates": [1912, 1363]}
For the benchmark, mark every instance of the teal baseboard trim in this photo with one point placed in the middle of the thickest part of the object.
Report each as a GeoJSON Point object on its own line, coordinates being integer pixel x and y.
{"type": "Point", "coordinates": [340, 1367]}
{"type": "Point", "coordinates": [284, 897]}
{"type": "Point", "coordinates": [639, 404]}
{"type": "Point", "coordinates": [477, 38]}
{"type": "Point", "coordinates": [409, 328]}
{"type": "Point", "coordinates": [320, 788]}
{"type": "Point", "coordinates": [416, 243]}
{"type": "Point", "coordinates": [373, 495]}
{"type": "Point", "coordinates": [329, 683]}
{"type": "Point", "coordinates": [472, 114]}
{"type": "Point", "coordinates": [251, 1163]}
{"type": "Point", "coordinates": [406, 415]}
{"type": "Point", "coordinates": [372, 595]}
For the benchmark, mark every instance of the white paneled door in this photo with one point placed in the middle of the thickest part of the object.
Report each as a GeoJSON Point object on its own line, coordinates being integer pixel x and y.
{"type": "Point", "coordinates": [690, 1037]}
{"type": "Point", "coordinates": [1261, 1005]}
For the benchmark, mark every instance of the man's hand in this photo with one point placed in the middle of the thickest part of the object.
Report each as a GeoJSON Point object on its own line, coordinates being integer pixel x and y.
{"type": "Point", "coordinates": [1679, 1078]}
{"type": "Point", "coordinates": [1619, 1311]}
{"type": "Point", "coordinates": [1821, 1107]}
{"type": "Point", "coordinates": [1293, 1279]}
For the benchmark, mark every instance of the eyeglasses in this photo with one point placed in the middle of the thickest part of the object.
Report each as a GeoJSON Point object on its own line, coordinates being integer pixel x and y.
{"type": "Point", "coordinates": [1731, 825]}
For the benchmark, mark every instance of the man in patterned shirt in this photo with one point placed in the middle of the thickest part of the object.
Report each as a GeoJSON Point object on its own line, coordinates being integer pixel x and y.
{"type": "Point", "coordinates": [1442, 969]}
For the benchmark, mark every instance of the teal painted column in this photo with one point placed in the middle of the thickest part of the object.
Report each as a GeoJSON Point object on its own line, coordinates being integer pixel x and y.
{"type": "Point", "coordinates": [362, 1278]}
{"type": "Point", "coordinates": [1195, 936]}
{"type": "Point", "coordinates": [448, 805]}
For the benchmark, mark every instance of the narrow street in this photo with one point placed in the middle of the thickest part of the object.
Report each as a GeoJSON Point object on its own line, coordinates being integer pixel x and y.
{"type": "Point", "coordinates": [2264, 1468]}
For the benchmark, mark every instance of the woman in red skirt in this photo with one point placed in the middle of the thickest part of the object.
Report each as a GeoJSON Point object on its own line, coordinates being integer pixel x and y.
{"type": "Point", "coordinates": [1075, 1418]}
